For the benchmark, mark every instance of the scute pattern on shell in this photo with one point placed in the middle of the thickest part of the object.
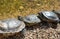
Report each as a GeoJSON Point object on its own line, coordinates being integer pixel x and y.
{"type": "Point", "coordinates": [32, 19]}
{"type": "Point", "coordinates": [50, 15]}
{"type": "Point", "coordinates": [3, 26]}
{"type": "Point", "coordinates": [13, 26]}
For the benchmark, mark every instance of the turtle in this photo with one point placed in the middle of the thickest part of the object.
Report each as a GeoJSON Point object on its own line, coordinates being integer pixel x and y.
{"type": "Point", "coordinates": [11, 25]}
{"type": "Point", "coordinates": [58, 13]}
{"type": "Point", "coordinates": [3, 26]}
{"type": "Point", "coordinates": [30, 20]}
{"type": "Point", "coordinates": [49, 17]}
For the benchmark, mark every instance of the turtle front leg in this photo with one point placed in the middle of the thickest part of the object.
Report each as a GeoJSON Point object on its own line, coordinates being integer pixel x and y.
{"type": "Point", "coordinates": [23, 31]}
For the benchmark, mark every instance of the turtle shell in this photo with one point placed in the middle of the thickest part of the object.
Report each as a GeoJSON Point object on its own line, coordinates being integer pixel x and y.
{"type": "Point", "coordinates": [49, 16]}
{"type": "Point", "coordinates": [57, 12]}
{"type": "Point", "coordinates": [13, 26]}
{"type": "Point", "coordinates": [31, 19]}
{"type": "Point", "coordinates": [3, 26]}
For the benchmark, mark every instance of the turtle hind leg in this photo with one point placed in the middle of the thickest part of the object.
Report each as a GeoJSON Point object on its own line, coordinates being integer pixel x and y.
{"type": "Point", "coordinates": [29, 27]}
{"type": "Point", "coordinates": [54, 25]}
{"type": "Point", "coordinates": [44, 25]}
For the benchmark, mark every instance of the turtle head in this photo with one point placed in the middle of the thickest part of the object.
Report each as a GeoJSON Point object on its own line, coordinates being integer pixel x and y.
{"type": "Point", "coordinates": [54, 11]}
{"type": "Point", "coordinates": [40, 15]}
{"type": "Point", "coordinates": [58, 13]}
{"type": "Point", "coordinates": [20, 18]}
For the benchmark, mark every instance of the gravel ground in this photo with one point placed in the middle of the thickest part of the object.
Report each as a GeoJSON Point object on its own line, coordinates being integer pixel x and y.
{"type": "Point", "coordinates": [36, 32]}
